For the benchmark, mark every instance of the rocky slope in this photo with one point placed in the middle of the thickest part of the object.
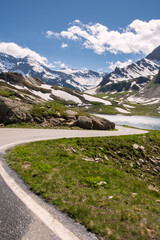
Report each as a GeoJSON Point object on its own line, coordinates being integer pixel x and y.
{"type": "Point", "coordinates": [134, 76]}
{"type": "Point", "coordinates": [30, 87]}
{"type": "Point", "coordinates": [25, 99]}
{"type": "Point", "coordinates": [71, 78]}
{"type": "Point", "coordinates": [149, 94]}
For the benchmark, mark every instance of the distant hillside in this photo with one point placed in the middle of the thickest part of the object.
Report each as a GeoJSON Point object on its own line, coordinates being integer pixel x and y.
{"type": "Point", "coordinates": [18, 90]}
{"type": "Point", "coordinates": [149, 93]}
{"type": "Point", "coordinates": [71, 78]}
{"type": "Point", "coordinates": [33, 88]}
{"type": "Point", "coordinates": [134, 76]}
{"type": "Point", "coordinates": [29, 100]}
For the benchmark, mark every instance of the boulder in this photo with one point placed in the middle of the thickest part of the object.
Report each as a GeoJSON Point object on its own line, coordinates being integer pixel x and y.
{"type": "Point", "coordinates": [84, 122]}
{"type": "Point", "coordinates": [102, 124]}
{"type": "Point", "coordinates": [13, 111]}
{"type": "Point", "coordinates": [92, 122]}
{"type": "Point", "coordinates": [71, 114]}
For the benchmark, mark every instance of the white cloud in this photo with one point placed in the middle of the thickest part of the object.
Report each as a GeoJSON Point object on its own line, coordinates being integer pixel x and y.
{"type": "Point", "coordinates": [119, 64]}
{"type": "Point", "coordinates": [76, 21]}
{"type": "Point", "coordinates": [17, 51]}
{"type": "Point", "coordinates": [50, 34]}
{"type": "Point", "coordinates": [63, 65]}
{"type": "Point", "coordinates": [59, 64]}
{"type": "Point", "coordinates": [138, 37]}
{"type": "Point", "coordinates": [64, 45]}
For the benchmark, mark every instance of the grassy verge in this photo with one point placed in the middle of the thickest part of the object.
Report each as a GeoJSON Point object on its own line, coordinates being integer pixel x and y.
{"type": "Point", "coordinates": [109, 184]}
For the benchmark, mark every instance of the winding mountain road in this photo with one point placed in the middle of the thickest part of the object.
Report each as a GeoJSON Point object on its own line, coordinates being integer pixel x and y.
{"type": "Point", "coordinates": [23, 215]}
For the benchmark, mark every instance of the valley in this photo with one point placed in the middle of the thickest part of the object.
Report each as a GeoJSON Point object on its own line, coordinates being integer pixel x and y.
{"type": "Point", "coordinates": [132, 90]}
{"type": "Point", "coordinates": [118, 172]}
{"type": "Point", "coordinates": [80, 120]}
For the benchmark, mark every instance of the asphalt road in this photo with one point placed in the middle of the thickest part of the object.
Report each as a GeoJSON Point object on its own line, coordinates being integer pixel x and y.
{"type": "Point", "coordinates": [24, 216]}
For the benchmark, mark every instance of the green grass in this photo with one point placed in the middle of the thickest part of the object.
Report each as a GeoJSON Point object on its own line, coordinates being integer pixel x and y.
{"type": "Point", "coordinates": [49, 108]}
{"type": "Point", "coordinates": [97, 181]}
{"type": "Point", "coordinates": [100, 108]}
{"type": "Point", "coordinates": [139, 109]}
{"type": "Point", "coordinates": [6, 92]}
{"type": "Point", "coordinates": [145, 110]}
{"type": "Point", "coordinates": [54, 109]}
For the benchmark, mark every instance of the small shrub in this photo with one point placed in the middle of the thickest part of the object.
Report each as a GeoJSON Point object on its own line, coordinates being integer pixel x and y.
{"type": "Point", "coordinates": [95, 182]}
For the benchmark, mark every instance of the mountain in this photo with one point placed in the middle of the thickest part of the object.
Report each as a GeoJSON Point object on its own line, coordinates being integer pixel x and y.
{"type": "Point", "coordinates": [20, 93]}
{"type": "Point", "coordinates": [28, 100]}
{"type": "Point", "coordinates": [34, 90]}
{"type": "Point", "coordinates": [155, 55]}
{"type": "Point", "coordinates": [132, 77]}
{"type": "Point", "coordinates": [149, 94]}
{"type": "Point", "coordinates": [70, 78]}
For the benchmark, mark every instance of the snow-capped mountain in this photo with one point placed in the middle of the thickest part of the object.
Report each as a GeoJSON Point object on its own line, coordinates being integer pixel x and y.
{"type": "Point", "coordinates": [34, 90]}
{"type": "Point", "coordinates": [135, 74]}
{"type": "Point", "coordinates": [71, 78]}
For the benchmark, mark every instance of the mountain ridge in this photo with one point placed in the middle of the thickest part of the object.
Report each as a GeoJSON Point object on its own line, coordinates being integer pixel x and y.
{"type": "Point", "coordinates": [130, 78]}
{"type": "Point", "coordinates": [75, 79]}
{"type": "Point", "coordinates": [146, 67]}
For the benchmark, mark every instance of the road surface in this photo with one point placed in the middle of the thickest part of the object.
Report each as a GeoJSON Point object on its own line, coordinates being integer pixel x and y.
{"type": "Point", "coordinates": [23, 215]}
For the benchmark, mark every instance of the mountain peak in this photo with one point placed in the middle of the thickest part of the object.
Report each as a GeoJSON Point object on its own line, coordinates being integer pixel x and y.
{"type": "Point", "coordinates": [30, 66]}
{"type": "Point", "coordinates": [155, 55]}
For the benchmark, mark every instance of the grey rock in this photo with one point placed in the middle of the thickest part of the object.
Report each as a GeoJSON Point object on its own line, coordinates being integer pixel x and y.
{"type": "Point", "coordinates": [13, 111]}
{"type": "Point", "coordinates": [92, 122]}
{"type": "Point", "coordinates": [154, 162]}
{"type": "Point", "coordinates": [71, 114]}
{"type": "Point", "coordinates": [135, 146]}
{"type": "Point", "coordinates": [101, 123]}
{"type": "Point", "coordinates": [84, 122]}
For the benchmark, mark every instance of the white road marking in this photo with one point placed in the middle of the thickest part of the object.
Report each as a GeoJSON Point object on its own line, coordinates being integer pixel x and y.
{"type": "Point", "coordinates": [58, 228]}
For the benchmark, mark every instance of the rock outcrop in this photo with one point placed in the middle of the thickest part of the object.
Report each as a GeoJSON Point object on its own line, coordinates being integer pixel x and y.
{"type": "Point", "coordinates": [157, 80]}
{"type": "Point", "coordinates": [93, 122]}
{"type": "Point", "coordinates": [17, 111]}
{"type": "Point", "coordinates": [14, 111]}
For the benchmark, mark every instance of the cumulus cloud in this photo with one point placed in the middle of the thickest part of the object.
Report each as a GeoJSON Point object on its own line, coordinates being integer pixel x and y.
{"type": "Point", "coordinates": [64, 45]}
{"type": "Point", "coordinates": [17, 51]}
{"type": "Point", "coordinates": [50, 34]}
{"type": "Point", "coordinates": [138, 37]}
{"type": "Point", "coordinates": [59, 64]}
{"type": "Point", "coordinates": [119, 64]}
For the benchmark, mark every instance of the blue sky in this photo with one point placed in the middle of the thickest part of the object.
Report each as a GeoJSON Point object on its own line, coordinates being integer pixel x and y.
{"type": "Point", "coordinates": [93, 34]}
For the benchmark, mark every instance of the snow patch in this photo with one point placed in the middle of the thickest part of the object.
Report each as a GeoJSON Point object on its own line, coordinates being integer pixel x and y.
{"type": "Point", "coordinates": [143, 101]}
{"type": "Point", "coordinates": [91, 91]}
{"type": "Point", "coordinates": [89, 82]}
{"type": "Point", "coordinates": [128, 106]}
{"type": "Point", "coordinates": [81, 88]}
{"type": "Point", "coordinates": [66, 96]}
{"type": "Point", "coordinates": [121, 110]}
{"type": "Point", "coordinates": [46, 86]}
{"type": "Point", "coordinates": [152, 102]}
{"type": "Point", "coordinates": [45, 96]}
{"type": "Point", "coordinates": [95, 99]}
